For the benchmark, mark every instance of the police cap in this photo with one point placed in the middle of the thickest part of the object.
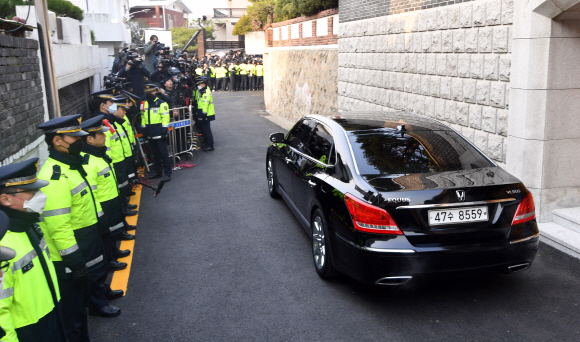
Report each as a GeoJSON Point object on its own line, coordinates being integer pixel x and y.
{"type": "Point", "coordinates": [67, 125]}
{"type": "Point", "coordinates": [95, 125]}
{"type": "Point", "coordinates": [5, 252]}
{"type": "Point", "coordinates": [104, 94]}
{"type": "Point", "coordinates": [130, 96]}
{"type": "Point", "coordinates": [21, 175]}
{"type": "Point", "coordinates": [151, 87]}
{"type": "Point", "coordinates": [201, 80]}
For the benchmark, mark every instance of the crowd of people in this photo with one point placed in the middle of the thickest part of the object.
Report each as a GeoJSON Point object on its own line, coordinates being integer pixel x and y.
{"type": "Point", "coordinates": [60, 226]}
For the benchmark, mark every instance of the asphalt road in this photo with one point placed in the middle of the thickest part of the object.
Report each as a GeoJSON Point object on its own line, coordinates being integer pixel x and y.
{"type": "Point", "coordinates": [217, 259]}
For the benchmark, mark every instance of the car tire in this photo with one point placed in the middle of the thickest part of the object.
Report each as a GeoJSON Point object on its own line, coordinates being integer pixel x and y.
{"type": "Point", "coordinates": [272, 184]}
{"type": "Point", "coordinates": [321, 250]}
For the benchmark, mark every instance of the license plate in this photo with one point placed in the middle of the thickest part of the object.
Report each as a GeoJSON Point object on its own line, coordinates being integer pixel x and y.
{"type": "Point", "coordinates": [452, 216]}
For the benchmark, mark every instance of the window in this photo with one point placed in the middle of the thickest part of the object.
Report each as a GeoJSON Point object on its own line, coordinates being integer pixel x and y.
{"type": "Point", "coordinates": [321, 145]}
{"type": "Point", "coordinates": [169, 17]}
{"type": "Point", "coordinates": [154, 16]}
{"type": "Point", "coordinates": [301, 132]}
{"type": "Point", "coordinates": [422, 151]}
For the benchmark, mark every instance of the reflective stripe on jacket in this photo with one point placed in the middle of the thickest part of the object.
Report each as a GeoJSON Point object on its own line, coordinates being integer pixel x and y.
{"type": "Point", "coordinates": [25, 295]}
{"type": "Point", "coordinates": [69, 207]}
{"type": "Point", "coordinates": [155, 119]}
{"type": "Point", "coordinates": [205, 103]}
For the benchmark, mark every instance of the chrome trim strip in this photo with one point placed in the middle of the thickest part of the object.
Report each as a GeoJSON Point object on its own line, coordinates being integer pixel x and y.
{"type": "Point", "coordinates": [461, 204]}
{"type": "Point", "coordinates": [526, 239]}
{"type": "Point", "coordinates": [310, 158]}
{"type": "Point", "coordinates": [351, 152]}
{"type": "Point", "coordinates": [380, 250]}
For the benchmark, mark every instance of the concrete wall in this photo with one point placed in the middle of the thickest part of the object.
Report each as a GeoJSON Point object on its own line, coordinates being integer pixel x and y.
{"type": "Point", "coordinates": [255, 43]}
{"type": "Point", "coordinates": [301, 71]}
{"type": "Point", "coordinates": [301, 82]}
{"type": "Point", "coordinates": [452, 63]}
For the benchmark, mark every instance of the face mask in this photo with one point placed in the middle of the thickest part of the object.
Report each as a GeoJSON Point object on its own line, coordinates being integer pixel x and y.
{"type": "Point", "coordinates": [113, 108]}
{"type": "Point", "coordinates": [199, 87]}
{"type": "Point", "coordinates": [76, 147]}
{"type": "Point", "coordinates": [150, 97]}
{"type": "Point", "coordinates": [35, 204]}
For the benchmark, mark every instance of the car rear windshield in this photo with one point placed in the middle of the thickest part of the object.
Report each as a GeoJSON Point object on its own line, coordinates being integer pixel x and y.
{"type": "Point", "coordinates": [388, 151]}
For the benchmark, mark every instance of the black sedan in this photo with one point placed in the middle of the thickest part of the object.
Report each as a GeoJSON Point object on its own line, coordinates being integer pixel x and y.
{"type": "Point", "coordinates": [393, 196]}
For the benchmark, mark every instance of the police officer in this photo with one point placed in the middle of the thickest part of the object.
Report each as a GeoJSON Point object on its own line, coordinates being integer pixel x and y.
{"type": "Point", "coordinates": [260, 76]}
{"type": "Point", "coordinates": [251, 75]}
{"type": "Point", "coordinates": [199, 70]}
{"type": "Point", "coordinates": [155, 125]}
{"type": "Point", "coordinates": [29, 301]}
{"type": "Point", "coordinates": [101, 102]}
{"type": "Point", "coordinates": [232, 70]}
{"type": "Point", "coordinates": [243, 76]}
{"type": "Point", "coordinates": [205, 113]}
{"type": "Point", "coordinates": [70, 223]}
{"type": "Point", "coordinates": [6, 254]}
{"type": "Point", "coordinates": [103, 181]}
{"type": "Point", "coordinates": [220, 73]}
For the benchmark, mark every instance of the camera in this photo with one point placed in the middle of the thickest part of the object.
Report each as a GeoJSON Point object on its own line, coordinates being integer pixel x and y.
{"type": "Point", "coordinates": [134, 59]}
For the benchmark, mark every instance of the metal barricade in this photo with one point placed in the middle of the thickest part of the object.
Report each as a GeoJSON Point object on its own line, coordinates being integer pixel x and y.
{"type": "Point", "coordinates": [183, 138]}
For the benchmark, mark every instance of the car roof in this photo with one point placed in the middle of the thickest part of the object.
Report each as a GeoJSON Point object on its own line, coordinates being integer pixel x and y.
{"type": "Point", "coordinates": [365, 121]}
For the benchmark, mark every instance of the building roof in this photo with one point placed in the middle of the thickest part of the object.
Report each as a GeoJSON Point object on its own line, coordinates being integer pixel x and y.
{"type": "Point", "coordinates": [168, 4]}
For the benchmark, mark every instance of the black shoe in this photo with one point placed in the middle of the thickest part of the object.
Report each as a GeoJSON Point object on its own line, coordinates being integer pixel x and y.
{"type": "Point", "coordinates": [207, 149]}
{"type": "Point", "coordinates": [125, 237]}
{"type": "Point", "coordinates": [106, 311]}
{"type": "Point", "coordinates": [114, 294]}
{"type": "Point", "coordinates": [166, 178]}
{"type": "Point", "coordinates": [132, 193]}
{"type": "Point", "coordinates": [117, 266]}
{"type": "Point", "coordinates": [131, 227]}
{"type": "Point", "coordinates": [129, 212]}
{"type": "Point", "coordinates": [131, 206]}
{"type": "Point", "coordinates": [122, 254]}
{"type": "Point", "coordinates": [155, 175]}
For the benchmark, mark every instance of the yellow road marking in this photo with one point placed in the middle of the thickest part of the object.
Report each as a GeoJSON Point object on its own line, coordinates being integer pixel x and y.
{"type": "Point", "coordinates": [121, 278]}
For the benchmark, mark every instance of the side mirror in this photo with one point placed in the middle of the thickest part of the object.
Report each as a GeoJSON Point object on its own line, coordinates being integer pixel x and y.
{"type": "Point", "coordinates": [277, 138]}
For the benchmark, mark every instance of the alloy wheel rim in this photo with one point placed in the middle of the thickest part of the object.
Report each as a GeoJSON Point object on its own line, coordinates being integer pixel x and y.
{"type": "Point", "coordinates": [318, 246]}
{"type": "Point", "coordinates": [270, 176]}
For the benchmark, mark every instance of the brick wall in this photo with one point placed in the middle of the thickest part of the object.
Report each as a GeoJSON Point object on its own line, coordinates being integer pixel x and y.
{"type": "Point", "coordinates": [352, 10]}
{"type": "Point", "coordinates": [304, 31]}
{"type": "Point", "coordinates": [452, 63]}
{"type": "Point", "coordinates": [21, 97]}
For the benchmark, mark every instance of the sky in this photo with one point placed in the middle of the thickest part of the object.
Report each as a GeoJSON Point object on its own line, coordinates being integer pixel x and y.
{"type": "Point", "coordinates": [204, 7]}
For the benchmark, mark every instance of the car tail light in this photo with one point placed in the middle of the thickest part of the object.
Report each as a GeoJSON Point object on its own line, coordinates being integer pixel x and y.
{"type": "Point", "coordinates": [371, 219]}
{"type": "Point", "coordinates": [526, 210]}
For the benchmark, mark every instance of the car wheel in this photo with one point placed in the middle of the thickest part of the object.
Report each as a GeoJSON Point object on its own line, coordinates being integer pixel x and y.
{"type": "Point", "coordinates": [272, 184]}
{"type": "Point", "coordinates": [321, 252]}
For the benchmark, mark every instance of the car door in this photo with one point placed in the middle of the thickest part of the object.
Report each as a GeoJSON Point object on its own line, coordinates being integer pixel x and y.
{"type": "Point", "coordinates": [310, 175]}
{"type": "Point", "coordinates": [284, 162]}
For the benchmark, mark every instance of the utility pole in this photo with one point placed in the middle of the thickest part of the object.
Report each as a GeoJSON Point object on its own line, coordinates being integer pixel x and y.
{"type": "Point", "coordinates": [45, 42]}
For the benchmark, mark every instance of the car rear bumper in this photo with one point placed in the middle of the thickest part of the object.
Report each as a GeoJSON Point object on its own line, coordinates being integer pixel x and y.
{"type": "Point", "coordinates": [370, 265]}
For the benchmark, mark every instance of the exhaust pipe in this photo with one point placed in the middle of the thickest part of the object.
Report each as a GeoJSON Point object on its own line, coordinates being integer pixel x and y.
{"type": "Point", "coordinates": [393, 280]}
{"type": "Point", "coordinates": [518, 268]}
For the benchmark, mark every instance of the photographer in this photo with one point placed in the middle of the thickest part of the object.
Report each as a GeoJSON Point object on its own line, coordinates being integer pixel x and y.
{"type": "Point", "coordinates": [136, 72]}
{"type": "Point", "coordinates": [149, 52]}
{"type": "Point", "coordinates": [162, 71]}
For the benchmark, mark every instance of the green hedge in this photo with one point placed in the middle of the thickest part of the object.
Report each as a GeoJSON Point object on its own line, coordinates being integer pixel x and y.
{"type": "Point", "coordinates": [62, 8]}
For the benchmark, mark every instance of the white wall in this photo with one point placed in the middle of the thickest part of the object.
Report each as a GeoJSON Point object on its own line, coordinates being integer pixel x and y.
{"type": "Point", "coordinates": [255, 43]}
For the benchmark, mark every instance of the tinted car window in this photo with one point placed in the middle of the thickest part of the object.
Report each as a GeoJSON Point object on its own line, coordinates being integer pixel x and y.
{"type": "Point", "coordinates": [388, 151]}
{"type": "Point", "coordinates": [301, 130]}
{"type": "Point", "coordinates": [320, 145]}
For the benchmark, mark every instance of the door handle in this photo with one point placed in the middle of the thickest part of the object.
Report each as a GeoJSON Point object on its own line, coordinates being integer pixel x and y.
{"type": "Point", "coordinates": [311, 183]}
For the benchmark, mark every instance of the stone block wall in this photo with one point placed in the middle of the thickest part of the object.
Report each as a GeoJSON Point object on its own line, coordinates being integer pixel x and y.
{"type": "Point", "coordinates": [451, 62]}
{"type": "Point", "coordinates": [21, 96]}
{"type": "Point", "coordinates": [301, 82]}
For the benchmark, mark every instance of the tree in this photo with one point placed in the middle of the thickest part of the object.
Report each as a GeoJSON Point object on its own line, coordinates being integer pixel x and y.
{"type": "Point", "coordinates": [285, 10]}
{"type": "Point", "coordinates": [310, 7]}
{"type": "Point", "coordinates": [260, 13]}
{"type": "Point", "coordinates": [182, 35]}
{"type": "Point", "coordinates": [62, 8]}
